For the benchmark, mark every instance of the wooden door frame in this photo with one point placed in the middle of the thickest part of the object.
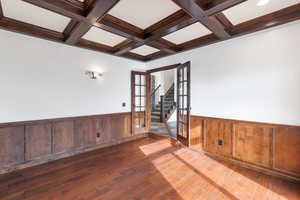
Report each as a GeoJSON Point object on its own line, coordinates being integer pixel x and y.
{"type": "Point", "coordinates": [185, 141]}
{"type": "Point", "coordinates": [148, 101]}
{"type": "Point", "coordinates": [148, 94]}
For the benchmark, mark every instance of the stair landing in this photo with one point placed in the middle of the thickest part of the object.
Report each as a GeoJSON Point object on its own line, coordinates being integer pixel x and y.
{"type": "Point", "coordinates": [160, 129]}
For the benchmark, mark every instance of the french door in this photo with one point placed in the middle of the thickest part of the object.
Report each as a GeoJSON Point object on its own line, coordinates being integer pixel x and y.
{"type": "Point", "coordinates": [183, 102]}
{"type": "Point", "coordinates": [140, 102]}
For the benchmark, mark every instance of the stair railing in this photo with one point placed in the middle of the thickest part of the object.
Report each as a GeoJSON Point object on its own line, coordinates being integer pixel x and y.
{"type": "Point", "coordinates": [162, 108]}
{"type": "Point", "coordinates": [155, 97]}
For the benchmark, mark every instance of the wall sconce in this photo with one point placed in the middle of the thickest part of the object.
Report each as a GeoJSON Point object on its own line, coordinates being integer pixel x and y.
{"type": "Point", "coordinates": [93, 75]}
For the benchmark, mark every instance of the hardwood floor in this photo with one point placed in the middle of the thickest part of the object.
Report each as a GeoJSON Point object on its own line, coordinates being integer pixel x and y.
{"type": "Point", "coordinates": [143, 169]}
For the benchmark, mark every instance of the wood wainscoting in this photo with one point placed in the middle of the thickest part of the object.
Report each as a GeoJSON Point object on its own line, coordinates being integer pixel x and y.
{"type": "Point", "coordinates": [25, 144]}
{"type": "Point", "coordinates": [269, 148]}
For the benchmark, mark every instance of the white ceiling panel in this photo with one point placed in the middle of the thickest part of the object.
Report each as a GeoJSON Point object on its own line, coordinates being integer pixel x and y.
{"type": "Point", "coordinates": [31, 14]}
{"type": "Point", "coordinates": [103, 37]}
{"type": "Point", "coordinates": [256, 8]}
{"type": "Point", "coordinates": [143, 13]}
{"type": "Point", "coordinates": [144, 50]}
{"type": "Point", "coordinates": [191, 32]}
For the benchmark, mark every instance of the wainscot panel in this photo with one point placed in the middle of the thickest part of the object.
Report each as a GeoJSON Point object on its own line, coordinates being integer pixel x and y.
{"type": "Point", "coordinates": [30, 143]}
{"type": "Point", "coordinates": [269, 148]}
{"type": "Point", "coordinates": [196, 131]}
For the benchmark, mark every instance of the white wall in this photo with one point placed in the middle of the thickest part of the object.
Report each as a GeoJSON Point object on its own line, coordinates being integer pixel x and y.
{"type": "Point", "coordinates": [168, 77]}
{"type": "Point", "coordinates": [165, 79]}
{"type": "Point", "coordinates": [256, 77]}
{"type": "Point", "coordinates": [41, 79]}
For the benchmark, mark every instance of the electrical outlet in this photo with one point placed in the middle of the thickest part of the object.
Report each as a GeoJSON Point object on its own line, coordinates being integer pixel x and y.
{"type": "Point", "coordinates": [220, 142]}
{"type": "Point", "coordinates": [98, 135]}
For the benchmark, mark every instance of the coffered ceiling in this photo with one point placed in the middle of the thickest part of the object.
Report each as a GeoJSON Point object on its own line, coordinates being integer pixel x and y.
{"type": "Point", "coordinates": [141, 29]}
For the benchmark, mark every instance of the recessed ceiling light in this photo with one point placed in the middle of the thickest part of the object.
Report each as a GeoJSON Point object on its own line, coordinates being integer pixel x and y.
{"type": "Point", "coordinates": [262, 2]}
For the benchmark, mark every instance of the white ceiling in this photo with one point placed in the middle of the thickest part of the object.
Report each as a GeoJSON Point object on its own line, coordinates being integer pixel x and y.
{"type": "Point", "coordinates": [143, 13]}
{"type": "Point", "coordinates": [144, 50]}
{"type": "Point", "coordinates": [249, 9]}
{"type": "Point", "coordinates": [103, 37]}
{"type": "Point", "coordinates": [191, 32]}
{"type": "Point", "coordinates": [31, 14]}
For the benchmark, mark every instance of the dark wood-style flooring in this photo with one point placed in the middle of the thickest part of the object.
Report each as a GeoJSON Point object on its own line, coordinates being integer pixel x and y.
{"type": "Point", "coordinates": [143, 169]}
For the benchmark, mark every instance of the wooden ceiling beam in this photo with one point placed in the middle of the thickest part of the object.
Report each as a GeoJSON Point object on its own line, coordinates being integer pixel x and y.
{"type": "Point", "coordinates": [94, 46]}
{"type": "Point", "coordinates": [29, 29]}
{"type": "Point", "coordinates": [62, 7]}
{"type": "Point", "coordinates": [161, 45]}
{"type": "Point", "coordinates": [224, 21]}
{"type": "Point", "coordinates": [70, 27]}
{"type": "Point", "coordinates": [152, 36]}
{"type": "Point", "coordinates": [277, 18]}
{"type": "Point", "coordinates": [180, 20]}
{"type": "Point", "coordinates": [166, 26]}
{"type": "Point", "coordinates": [107, 22]}
{"type": "Point", "coordinates": [121, 28]}
{"type": "Point", "coordinates": [280, 17]}
{"type": "Point", "coordinates": [224, 5]}
{"type": "Point", "coordinates": [86, 44]}
{"type": "Point", "coordinates": [39, 32]}
{"type": "Point", "coordinates": [194, 10]}
{"type": "Point", "coordinates": [97, 12]}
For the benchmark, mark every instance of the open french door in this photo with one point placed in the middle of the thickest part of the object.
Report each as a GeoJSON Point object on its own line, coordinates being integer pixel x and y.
{"type": "Point", "coordinates": [183, 103]}
{"type": "Point", "coordinates": [140, 102]}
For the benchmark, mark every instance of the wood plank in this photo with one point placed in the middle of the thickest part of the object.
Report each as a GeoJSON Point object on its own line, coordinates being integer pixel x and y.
{"type": "Point", "coordinates": [287, 149]}
{"type": "Point", "coordinates": [38, 139]}
{"type": "Point", "coordinates": [253, 143]}
{"type": "Point", "coordinates": [127, 126]}
{"type": "Point", "coordinates": [117, 129]}
{"type": "Point", "coordinates": [218, 135]}
{"type": "Point", "coordinates": [11, 146]}
{"type": "Point", "coordinates": [63, 136]}
{"type": "Point", "coordinates": [103, 126]}
{"type": "Point", "coordinates": [196, 131]}
{"type": "Point", "coordinates": [85, 133]}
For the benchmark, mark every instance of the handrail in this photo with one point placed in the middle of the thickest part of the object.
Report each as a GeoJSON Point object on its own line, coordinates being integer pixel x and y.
{"type": "Point", "coordinates": [162, 109]}
{"type": "Point", "coordinates": [155, 90]}
{"type": "Point", "coordinates": [170, 89]}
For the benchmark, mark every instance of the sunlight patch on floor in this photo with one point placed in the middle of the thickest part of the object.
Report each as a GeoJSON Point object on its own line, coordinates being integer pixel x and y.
{"type": "Point", "coordinates": [154, 147]}
{"type": "Point", "coordinates": [197, 176]}
{"type": "Point", "coordinates": [229, 182]}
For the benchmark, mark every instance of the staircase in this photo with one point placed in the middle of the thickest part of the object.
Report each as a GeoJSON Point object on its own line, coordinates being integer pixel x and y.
{"type": "Point", "coordinates": [165, 107]}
